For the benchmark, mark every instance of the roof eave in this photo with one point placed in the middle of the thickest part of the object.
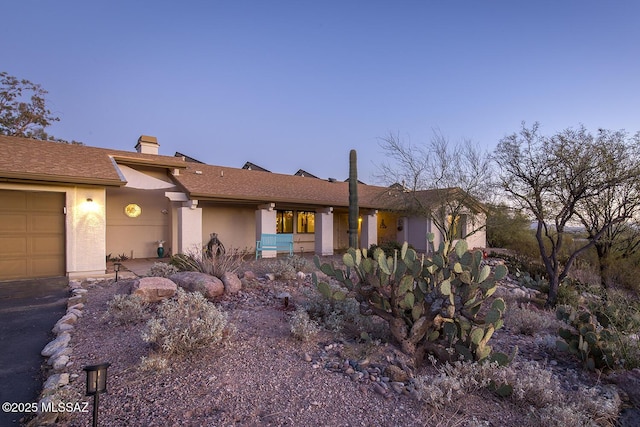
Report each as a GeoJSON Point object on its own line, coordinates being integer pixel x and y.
{"type": "Point", "coordinates": [55, 179]}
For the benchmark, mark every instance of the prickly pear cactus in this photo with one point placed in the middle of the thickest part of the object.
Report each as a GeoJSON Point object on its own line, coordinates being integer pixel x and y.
{"type": "Point", "coordinates": [592, 343]}
{"type": "Point", "coordinates": [431, 304]}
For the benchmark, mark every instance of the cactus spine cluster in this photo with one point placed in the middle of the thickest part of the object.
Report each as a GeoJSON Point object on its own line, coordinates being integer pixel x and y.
{"type": "Point", "coordinates": [353, 199]}
{"type": "Point", "coordinates": [431, 304]}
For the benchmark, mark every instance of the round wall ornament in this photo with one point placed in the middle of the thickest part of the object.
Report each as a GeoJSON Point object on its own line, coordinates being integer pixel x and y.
{"type": "Point", "coordinates": [132, 210]}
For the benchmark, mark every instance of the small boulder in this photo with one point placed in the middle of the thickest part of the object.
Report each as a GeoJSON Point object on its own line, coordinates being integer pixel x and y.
{"type": "Point", "coordinates": [56, 381]}
{"type": "Point", "coordinates": [56, 345]}
{"type": "Point", "coordinates": [249, 275]}
{"type": "Point", "coordinates": [154, 289]}
{"type": "Point", "coordinates": [232, 283]}
{"type": "Point", "coordinates": [193, 281]}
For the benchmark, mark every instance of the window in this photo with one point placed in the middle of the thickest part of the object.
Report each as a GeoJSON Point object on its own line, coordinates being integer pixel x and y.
{"type": "Point", "coordinates": [284, 222]}
{"type": "Point", "coordinates": [306, 222]}
{"type": "Point", "coordinates": [458, 227]}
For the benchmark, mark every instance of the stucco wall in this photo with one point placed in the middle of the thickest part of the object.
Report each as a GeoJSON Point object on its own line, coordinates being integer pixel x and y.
{"type": "Point", "coordinates": [236, 226]}
{"type": "Point", "coordinates": [137, 237]}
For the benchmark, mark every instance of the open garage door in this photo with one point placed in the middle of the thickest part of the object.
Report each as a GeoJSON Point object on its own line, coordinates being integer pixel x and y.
{"type": "Point", "coordinates": [32, 234]}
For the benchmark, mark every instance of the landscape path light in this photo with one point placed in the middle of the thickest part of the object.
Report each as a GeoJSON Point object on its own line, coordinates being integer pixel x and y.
{"type": "Point", "coordinates": [96, 384]}
{"type": "Point", "coordinates": [116, 267]}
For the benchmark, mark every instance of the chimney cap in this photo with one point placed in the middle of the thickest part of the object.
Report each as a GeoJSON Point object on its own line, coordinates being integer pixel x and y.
{"type": "Point", "coordinates": [147, 145]}
{"type": "Point", "coordinates": [148, 139]}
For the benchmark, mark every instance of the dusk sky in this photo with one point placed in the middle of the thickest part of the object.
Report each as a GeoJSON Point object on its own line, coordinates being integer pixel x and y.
{"type": "Point", "coordinates": [294, 85]}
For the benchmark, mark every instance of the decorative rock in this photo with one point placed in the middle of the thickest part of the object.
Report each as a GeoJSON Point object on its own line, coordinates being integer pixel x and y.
{"type": "Point", "coordinates": [209, 286]}
{"type": "Point", "coordinates": [153, 289]}
{"type": "Point", "coordinates": [78, 307]}
{"type": "Point", "coordinates": [379, 389]}
{"type": "Point", "coordinates": [60, 362]}
{"type": "Point", "coordinates": [76, 299]}
{"type": "Point", "coordinates": [65, 351]}
{"type": "Point", "coordinates": [75, 312]}
{"type": "Point", "coordinates": [396, 374]}
{"type": "Point", "coordinates": [397, 387]}
{"type": "Point", "coordinates": [300, 275]}
{"type": "Point", "coordinates": [232, 283]}
{"type": "Point", "coordinates": [307, 357]}
{"type": "Point", "coordinates": [68, 318]}
{"type": "Point", "coordinates": [55, 345]}
{"type": "Point", "coordinates": [249, 275]}
{"type": "Point", "coordinates": [61, 327]}
{"type": "Point", "coordinates": [56, 381]}
{"type": "Point", "coordinates": [270, 276]}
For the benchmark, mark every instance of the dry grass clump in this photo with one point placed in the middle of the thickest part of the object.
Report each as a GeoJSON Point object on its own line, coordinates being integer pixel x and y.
{"type": "Point", "coordinates": [185, 323]}
{"type": "Point", "coordinates": [154, 363]}
{"type": "Point", "coordinates": [527, 321]}
{"type": "Point", "coordinates": [228, 262]}
{"type": "Point", "coordinates": [127, 309]}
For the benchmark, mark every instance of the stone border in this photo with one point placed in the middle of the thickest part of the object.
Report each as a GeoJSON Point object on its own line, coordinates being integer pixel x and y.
{"type": "Point", "coordinates": [58, 353]}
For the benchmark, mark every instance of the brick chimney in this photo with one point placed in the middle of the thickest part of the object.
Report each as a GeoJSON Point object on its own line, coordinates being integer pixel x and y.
{"type": "Point", "coordinates": [147, 145]}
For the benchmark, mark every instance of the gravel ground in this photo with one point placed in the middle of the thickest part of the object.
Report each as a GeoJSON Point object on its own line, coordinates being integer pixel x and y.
{"type": "Point", "coordinates": [262, 376]}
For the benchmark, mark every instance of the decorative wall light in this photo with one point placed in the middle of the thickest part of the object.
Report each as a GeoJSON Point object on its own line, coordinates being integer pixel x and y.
{"type": "Point", "coordinates": [132, 210]}
{"type": "Point", "coordinates": [96, 384]}
{"type": "Point", "coordinates": [89, 199]}
{"type": "Point", "coordinates": [382, 224]}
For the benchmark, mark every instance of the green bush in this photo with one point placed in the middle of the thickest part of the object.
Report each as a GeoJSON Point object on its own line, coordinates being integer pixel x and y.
{"type": "Point", "coordinates": [185, 323]}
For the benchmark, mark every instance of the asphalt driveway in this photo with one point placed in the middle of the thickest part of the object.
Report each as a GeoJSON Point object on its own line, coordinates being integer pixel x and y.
{"type": "Point", "coordinates": [28, 311]}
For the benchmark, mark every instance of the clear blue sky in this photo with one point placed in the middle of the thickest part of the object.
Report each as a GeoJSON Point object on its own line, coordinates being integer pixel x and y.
{"type": "Point", "coordinates": [297, 84]}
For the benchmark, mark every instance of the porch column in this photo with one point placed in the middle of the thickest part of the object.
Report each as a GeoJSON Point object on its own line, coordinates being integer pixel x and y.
{"type": "Point", "coordinates": [324, 232]}
{"type": "Point", "coordinates": [189, 228]}
{"type": "Point", "coordinates": [369, 230]}
{"type": "Point", "coordinates": [266, 223]}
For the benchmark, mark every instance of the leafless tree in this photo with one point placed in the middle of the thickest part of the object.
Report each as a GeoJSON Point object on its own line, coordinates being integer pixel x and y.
{"type": "Point", "coordinates": [439, 180]}
{"type": "Point", "coordinates": [556, 179]}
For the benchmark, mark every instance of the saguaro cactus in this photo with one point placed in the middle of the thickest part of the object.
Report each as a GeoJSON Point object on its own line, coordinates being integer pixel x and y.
{"type": "Point", "coordinates": [353, 199]}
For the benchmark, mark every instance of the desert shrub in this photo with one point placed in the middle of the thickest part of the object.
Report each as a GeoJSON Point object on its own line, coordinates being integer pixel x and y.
{"type": "Point", "coordinates": [127, 309]}
{"type": "Point", "coordinates": [529, 385]}
{"type": "Point", "coordinates": [162, 269]}
{"type": "Point", "coordinates": [299, 263]}
{"type": "Point", "coordinates": [283, 268]}
{"type": "Point", "coordinates": [343, 316]}
{"type": "Point", "coordinates": [526, 321]}
{"type": "Point", "coordinates": [228, 262]}
{"type": "Point", "coordinates": [389, 248]}
{"type": "Point", "coordinates": [185, 323]}
{"type": "Point", "coordinates": [302, 327]}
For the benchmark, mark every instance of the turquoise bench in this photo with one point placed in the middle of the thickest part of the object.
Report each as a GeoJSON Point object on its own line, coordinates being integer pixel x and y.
{"type": "Point", "coordinates": [274, 242]}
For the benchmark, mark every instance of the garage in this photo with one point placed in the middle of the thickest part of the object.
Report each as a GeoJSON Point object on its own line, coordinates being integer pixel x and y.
{"type": "Point", "coordinates": [32, 234]}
